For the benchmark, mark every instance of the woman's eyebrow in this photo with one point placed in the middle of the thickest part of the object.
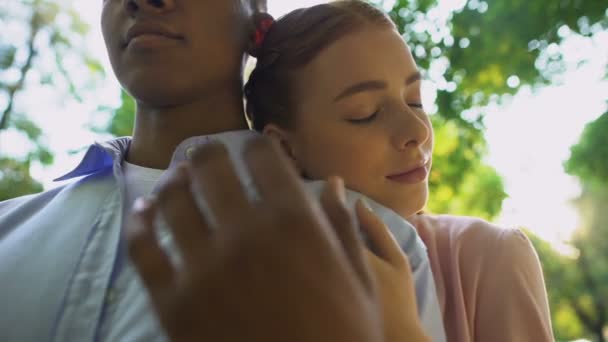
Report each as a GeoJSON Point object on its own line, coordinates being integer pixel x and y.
{"type": "Point", "coordinates": [373, 85]}
{"type": "Point", "coordinates": [361, 87]}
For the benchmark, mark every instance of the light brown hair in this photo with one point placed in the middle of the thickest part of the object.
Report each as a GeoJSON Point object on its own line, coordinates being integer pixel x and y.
{"type": "Point", "coordinates": [292, 42]}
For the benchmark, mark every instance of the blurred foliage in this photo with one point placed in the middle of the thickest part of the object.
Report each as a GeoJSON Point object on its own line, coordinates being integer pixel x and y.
{"type": "Point", "coordinates": [590, 299]}
{"type": "Point", "coordinates": [562, 283]}
{"type": "Point", "coordinates": [123, 118]}
{"type": "Point", "coordinates": [589, 158]}
{"type": "Point", "coordinates": [577, 284]}
{"type": "Point", "coordinates": [15, 178]}
{"type": "Point", "coordinates": [459, 182]}
{"type": "Point", "coordinates": [52, 30]}
{"type": "Point", "coordinates": [589, 163]}
{"type": "Point", "coordinates": [482, 51]}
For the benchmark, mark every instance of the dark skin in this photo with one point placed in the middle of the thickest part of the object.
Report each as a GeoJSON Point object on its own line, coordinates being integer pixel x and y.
{"type": "Point", "coordinates": [177, 95]}
{"type": "Point", "coordinates": [186, 82]}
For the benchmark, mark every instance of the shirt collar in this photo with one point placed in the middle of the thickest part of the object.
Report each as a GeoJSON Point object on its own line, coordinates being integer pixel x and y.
{"type": "Point", "coordinates": [98, 157]}
{"type": "Point", "coordinates": [233, 140]}
{"type": "Point", "coordinates": [102, 156]}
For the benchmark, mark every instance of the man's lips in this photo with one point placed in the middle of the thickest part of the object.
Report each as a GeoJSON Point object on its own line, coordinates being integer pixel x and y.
{"type": "Point", "coordinates": [413, 175]}
{"type": "Point", "coordinates": [150, 31]}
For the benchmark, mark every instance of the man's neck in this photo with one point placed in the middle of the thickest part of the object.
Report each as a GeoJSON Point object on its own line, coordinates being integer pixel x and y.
{"type": "Point", "coordinates": [158, 131]}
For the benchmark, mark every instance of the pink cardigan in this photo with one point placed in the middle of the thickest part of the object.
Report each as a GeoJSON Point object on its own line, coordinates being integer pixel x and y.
{"type": "Point", "coordinates": [489, 280]}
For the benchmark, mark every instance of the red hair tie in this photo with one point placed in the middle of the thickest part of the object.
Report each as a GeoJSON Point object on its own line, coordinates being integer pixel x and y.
{"type": "Point", "coordinates": [261, 31]}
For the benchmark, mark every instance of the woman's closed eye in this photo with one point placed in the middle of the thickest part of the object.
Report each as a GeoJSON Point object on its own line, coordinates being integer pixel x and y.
{"type": "Point", "coordinates": [371, 117]}
{"type": "Point", "coordinates": [364, 120]}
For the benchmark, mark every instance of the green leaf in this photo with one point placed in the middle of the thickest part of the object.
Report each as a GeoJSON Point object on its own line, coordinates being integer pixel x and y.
{"type": "Point", "coordinates": [589, 157]}
{"type": "Point", "coordinates": [16, 180]}
{"type": "Point", "coordinates": [123, 119]}
{"type": "Point", "coordinates": [7, 56]}
{"type": "Point", "coordinates": [28, 127]}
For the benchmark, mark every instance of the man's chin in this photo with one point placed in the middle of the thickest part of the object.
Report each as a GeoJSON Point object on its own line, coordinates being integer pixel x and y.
{"type": "Point", "coordinates": [158, 96]}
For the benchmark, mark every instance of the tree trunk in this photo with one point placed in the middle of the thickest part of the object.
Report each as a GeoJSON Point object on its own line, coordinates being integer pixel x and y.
{"type": "Point", "coordinates": [600, 335]}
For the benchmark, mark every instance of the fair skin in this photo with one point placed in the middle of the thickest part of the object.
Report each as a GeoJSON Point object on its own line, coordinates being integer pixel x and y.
{"type": "Point", "coordinates": [178, 97]}
{"type": "Point", "coordinates": [337, 133]}
{"type": "Point", "coordinates": [363, 120]}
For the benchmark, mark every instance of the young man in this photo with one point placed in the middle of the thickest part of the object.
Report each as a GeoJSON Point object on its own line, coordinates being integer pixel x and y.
{"type": "Point", "coordinates": [62, 256]}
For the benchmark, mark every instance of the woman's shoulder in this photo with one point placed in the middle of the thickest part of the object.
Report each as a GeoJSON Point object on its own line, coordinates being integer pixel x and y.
{"type": "Point", "coordinates": [491, 268]}
{"type": "Point", "coordinates": [472, 236]}
{"type": "Point", "coordinates": [457, 227]}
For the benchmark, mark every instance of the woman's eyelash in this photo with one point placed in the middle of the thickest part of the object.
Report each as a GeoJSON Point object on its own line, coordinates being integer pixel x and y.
{"type": "Point", "coordinates": [371, 117]}
{"type": "Point", "coordinates": [365, 119]}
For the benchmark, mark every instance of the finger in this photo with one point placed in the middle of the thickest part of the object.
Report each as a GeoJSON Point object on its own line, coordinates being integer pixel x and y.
{"type": "Point", "coordinates": [184, 218]}
{"type": "Point", "coordinates": [217, 183]}
{"type": "Point", "coordinates": [382, 240]}
{"type": "Point", "coordinates": [332, 202]}
{"type": "Point", "coordinates": [277, 183]}
{"type": "Point", "coordinates": [150, 261]}
{"type": "Point", "coordinates": [374, 262]}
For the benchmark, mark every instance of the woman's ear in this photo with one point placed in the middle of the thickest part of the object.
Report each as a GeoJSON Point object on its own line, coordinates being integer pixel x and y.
{"type": "Point", "coordinates": [285, 140]}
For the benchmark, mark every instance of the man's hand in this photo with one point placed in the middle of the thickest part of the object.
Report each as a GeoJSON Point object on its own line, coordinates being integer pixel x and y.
{"type": "Point", "coordinates": [281, 268]}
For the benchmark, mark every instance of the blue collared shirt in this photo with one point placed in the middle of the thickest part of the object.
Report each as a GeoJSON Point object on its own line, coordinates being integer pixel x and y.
{"type": "Point", "coordinates": [63, 268]}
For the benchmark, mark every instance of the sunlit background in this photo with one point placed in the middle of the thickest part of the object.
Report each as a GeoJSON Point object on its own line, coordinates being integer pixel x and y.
{"type": "Point", "coordinates": [529, 136]}
{"type": "Point", "coordinates": [529, 133]}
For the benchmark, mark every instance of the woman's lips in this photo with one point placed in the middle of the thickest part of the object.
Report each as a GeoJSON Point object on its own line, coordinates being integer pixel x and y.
{"type": "Point", "coordinates": [414, 176]}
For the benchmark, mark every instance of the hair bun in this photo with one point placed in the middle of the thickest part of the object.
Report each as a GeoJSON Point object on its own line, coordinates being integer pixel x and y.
{"type": "Point", "coordinates": [263, 22]}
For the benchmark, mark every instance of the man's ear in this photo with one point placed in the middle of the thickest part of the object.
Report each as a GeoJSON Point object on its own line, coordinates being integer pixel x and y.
{"type": "Point", "coordinates": [284, 139]}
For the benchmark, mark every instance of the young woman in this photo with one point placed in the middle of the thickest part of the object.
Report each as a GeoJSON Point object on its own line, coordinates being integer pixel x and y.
{"type": "Point", "coordinates": [339, 90]}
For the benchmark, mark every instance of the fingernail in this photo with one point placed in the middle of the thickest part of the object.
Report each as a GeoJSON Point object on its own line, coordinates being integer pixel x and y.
{"type": "Point", "coordinates": [364, 204]}
{"type": "Point", "coordinates": [140, 205]}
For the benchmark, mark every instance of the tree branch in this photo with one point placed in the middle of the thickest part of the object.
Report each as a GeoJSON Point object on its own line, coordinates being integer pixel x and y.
{"type": "Point", "coordinates": [12, 90]}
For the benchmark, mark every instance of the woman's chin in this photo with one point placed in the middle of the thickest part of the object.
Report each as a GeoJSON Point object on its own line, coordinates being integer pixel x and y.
{"type": "Point", "coordinates": [412, 205]}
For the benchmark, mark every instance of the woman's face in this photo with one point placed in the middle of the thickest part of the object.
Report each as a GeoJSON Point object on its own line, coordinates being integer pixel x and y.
{"type": "Point", "coordinates": [168, 52]}
{"type": "Point", "coordinates": [359, 116]}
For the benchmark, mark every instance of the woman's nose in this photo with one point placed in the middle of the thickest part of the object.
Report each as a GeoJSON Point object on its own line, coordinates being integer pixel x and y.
{"type": "Point", "coordinates": [412, 129]}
